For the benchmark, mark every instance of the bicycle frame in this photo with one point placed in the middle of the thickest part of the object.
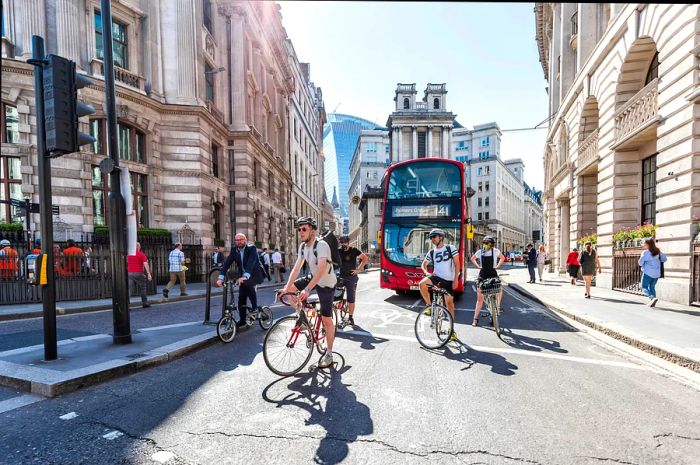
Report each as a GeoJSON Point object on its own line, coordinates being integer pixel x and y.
{"type": "Point", "coordinates": [302, 309]}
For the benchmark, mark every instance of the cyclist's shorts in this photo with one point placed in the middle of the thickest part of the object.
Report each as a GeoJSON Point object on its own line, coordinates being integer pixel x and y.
{"type": "Point", "coordinates": [443, 283]}
{"type": "Point", "coordinates": [350, 288]}
{"type": "Point", "coordinates": [325, 295]}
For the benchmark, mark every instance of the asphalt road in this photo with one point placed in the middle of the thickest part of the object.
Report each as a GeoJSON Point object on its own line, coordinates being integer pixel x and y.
{"type": "Point", "coordinates": [548, 395]}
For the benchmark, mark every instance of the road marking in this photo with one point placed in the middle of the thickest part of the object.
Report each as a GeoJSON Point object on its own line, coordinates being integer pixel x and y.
{"type": "Point", "coordinates": [176, 325]}
{"type": "Point", "coordinates": [111, 436]}
{"type": "Point", "coordinates": [68, 416]}
{"type": "Point", "coordinates": [19, 401]}
{"type": "Point", "coordinates": [162, 456]}
{"type": "Point", "coordinates": [509, 350]}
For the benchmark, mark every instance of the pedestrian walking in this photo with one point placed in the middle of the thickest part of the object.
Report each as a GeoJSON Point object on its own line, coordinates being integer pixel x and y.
{"type": "Point", "coordinates": [652, 263]}
{"type": "Point", "coordinates": [9, 260]}
{"type": "Point", "coordinates": [277, 266]}
{"type": "Point", "coordinates": [542, 256]}
{"type": "Point", "coordinates": [573, 265]}
{"type": "Point", "coordinates": [589, 262]}
{"type": "Point", "coordinates": [217, 257]}
{"type": "Point", "coordinates": [265, 257]}
{"type": "Point", "coordinates": [531, 262]}
{"type": "Point", "coordinates": [73, 258]}
{"type": "Point", "coordinates": [512, 259]}
{"type": "Point", "coordinates": [135, 265]}
{"type": "Point", "coordinates": [176, 268]}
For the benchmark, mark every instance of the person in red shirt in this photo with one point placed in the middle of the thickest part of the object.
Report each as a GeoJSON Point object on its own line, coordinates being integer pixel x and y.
{"type": "Point", "coordinates": [135, 265]}
{"type": "Point", "coordinates": [572, 265]}
{"type": "Point", "coordinates": [74, 258]}
{"type": "Point", "coordinates": [8, 260]}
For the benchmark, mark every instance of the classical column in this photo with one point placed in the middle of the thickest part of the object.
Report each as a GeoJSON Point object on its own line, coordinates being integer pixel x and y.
{"type": "Point", "coordinates": [30, 20]}
{"type": "Point", "coordinates": [414, 142]}
{"type": "Point", "coordinates": [564, 222]}
{"type": "Point", "coordinates": [400, 145]}
{"type": "Point", "coordinates": [449, 142]}
{"type": "Point", "coordinates": [237, 79]}
{"type": "Point", "coordinates": [187, 57]}
{"type": "Point", "coordinates": [429, 142]}
{"type": "Point", "coordinates": [68, 35]}
{"type": "Point", "coordinates": [443, 142]}
{"type": "Point", "coordinates": [394, 144]}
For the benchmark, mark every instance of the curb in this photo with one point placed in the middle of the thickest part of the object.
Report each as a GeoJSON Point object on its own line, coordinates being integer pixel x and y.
{"type": "Point", "coordinates": [685, 362]}
{"type": "Point", "coordinates": [50, 383]}
{"type": "Point", "coordinates": [95, 308]}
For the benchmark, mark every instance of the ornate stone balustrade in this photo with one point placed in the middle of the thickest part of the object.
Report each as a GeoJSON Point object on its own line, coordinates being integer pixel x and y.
{"type": "Point", "coordinates": [588, 151]}
{"type": "Point", "coordinates": [638, 114]}
{"type": "Point", "coordinates": [120, 75]}
{"type": "Point", "coordinates": [421, 105]}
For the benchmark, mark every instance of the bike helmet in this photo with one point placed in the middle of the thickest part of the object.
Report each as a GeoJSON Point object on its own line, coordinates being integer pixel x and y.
{"type": "Point", "coordinates": [4, 243]}
{"type": "Point", "coordinates": [488, 240]}
{"type": "Point", "coordinates": [436, 232]}
{"type": "Point", "coordinates": [306, 220]}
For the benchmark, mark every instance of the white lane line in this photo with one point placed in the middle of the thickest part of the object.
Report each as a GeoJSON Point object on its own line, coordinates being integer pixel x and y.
{"type": "Point", "coordinates": [568, 358]}
{"type": "Point", "coordinates": [111, 436]}
{"type": "Point", "coordinates": [19, 401]}
{"type": "Point", "coordinates": [68, 416]}
{"type": "Point", "coordinates": [176, 325]}
{"type": "Point", "coordinates": [162, 456]}
{"type": "Point", "coordinates": [416, 303]}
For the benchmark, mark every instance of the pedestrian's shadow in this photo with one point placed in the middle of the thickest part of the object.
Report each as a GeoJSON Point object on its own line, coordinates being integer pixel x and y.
{"type": "Point", "coordinates": [342, 417]}
{"type": "Point", "coordinates": [367, 341]}
{"type": "Point", "coordinates": [533, 344]}
{"type": "Point", "coordinates": [460, 352]}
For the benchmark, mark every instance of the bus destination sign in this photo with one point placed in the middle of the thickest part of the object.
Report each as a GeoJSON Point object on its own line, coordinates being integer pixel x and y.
{"type": "Point", "coordinates": [421, 211]}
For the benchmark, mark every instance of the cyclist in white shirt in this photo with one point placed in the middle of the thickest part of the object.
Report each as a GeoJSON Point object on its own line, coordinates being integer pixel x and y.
{"type": "Point", "coordinates": [446, 265]}
{"type": "Point", "coordinates": [485, 260]}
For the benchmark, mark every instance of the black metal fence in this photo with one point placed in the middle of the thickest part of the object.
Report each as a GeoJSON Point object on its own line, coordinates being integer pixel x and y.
{"type": "Point", "coordinates": [627, 274]}
{"type": "Point", "coordinates": [87, 273]}
{"type": "Point", "coordinates": [695, 298]}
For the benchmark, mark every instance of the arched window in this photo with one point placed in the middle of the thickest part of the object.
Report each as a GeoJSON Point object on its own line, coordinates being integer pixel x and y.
{"type": "Point", "coordinates": [436, 104]}
{"type": "Point", "coordinates": [653, 72]}
{"type": "Point", "coordinates": [406, 103]}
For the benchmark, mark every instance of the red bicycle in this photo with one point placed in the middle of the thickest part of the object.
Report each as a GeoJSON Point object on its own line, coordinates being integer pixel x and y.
{"type": "Point", "coordinates": [290, 342]}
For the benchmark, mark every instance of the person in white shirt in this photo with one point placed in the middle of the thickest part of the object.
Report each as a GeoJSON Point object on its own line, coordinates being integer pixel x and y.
{"type": "Point", "coordinates": [485, 260]}
{"type": "Point", "coordinates": [265, 255]}
{"type": "Point", "coordinates": [277, 265]}
{"type": "Point", "coordinates": [446, 265]}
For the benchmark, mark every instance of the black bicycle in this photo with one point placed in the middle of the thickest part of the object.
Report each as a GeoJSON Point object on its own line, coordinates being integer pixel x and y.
{"type": "Point", "coordinates": [341, 308]}
{"type": "Point", "coordinates": [226, 328]}
{"type": "Point", "coordinates": [434, 325]}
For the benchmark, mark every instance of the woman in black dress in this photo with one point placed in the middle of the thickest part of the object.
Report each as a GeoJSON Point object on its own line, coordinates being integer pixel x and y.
{"type": "Point", "coordinates": [589, 262]}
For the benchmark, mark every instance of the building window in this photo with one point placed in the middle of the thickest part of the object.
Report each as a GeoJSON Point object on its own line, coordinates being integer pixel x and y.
{"type": "Point", "coordinates": [486, 215]}
{"type": "Point", "coordinates": [653, 72]}
{"type": "Point", "coordinates": [100, 190]}
{"type": "Point", "coordinates": [97, 132]}
{"type": "Point", "coordinates": [436, 104]}
{"type": "Point", "coordinates": [209, 82]}
{"type": "Point", "coordinates": [480, 171]}
{"type": "Point", "coordinates": [10, 124]}
{"type": "Point", "coordinates": [206, 15]}
{"type": "Point", "coordinates": [256, 171]}
{"type": "Point", "coordinates": [120, 45]}
{"type": "Point", "coordinates": [485, 141]}
{"type": "Point", "coordinates": [371, 146]}
{"type": "Point", "coordinates": [486, 186]}
{"type": "Point", "coordinates": [270, 185]}
{"type": "Point", "coordinates": [478, 203]}
{"type": "Point", "coordinates": [480, 216]}
{"type": "Point", "coordinates": [487, 170]}
{"type": "Point", "coordinates": [486, 201]}
{"type": "Point", "coordinates": [480, 186]}
{"type": "Point", "coordinates": [375, 175]}
{"type": "Point", "coordinates": [139, 191]}
{"type": "Point", "coordinates": [217, 220]}
{"type": "Point", "coordinates": [131, 142]}
{"type": "Point", "coordinates": [406, 103]}
{"type": "Point", "coordinates": [10, 187]}
{"type": "Point", "coordinates": [462, 145]}
{"type": "Point", "coordinates": [215, 160]}
{"type": "Point", "coordinates": [386, 149]}
{"type": "Point", "coordinates": [484, 155]}
{"type": "Point", "coordinates": [649, 190]}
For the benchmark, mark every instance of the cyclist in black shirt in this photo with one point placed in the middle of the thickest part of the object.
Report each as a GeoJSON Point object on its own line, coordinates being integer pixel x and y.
{"type": "Point", "coordinates": [349, 271]}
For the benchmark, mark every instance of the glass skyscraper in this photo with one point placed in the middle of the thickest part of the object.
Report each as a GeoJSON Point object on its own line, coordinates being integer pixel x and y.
{"type": "Point", "coordinates": [340, 135]}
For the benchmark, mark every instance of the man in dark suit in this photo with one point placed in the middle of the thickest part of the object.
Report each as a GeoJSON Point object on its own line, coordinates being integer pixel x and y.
{"type": "Point", "coordinates": [245, 256]}
{"type": "Point", "coordinates": [217, 258]}
{"type": "Point", "coordinates": [531, 262]}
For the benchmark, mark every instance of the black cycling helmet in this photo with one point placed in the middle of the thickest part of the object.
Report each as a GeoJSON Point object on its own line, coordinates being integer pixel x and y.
{"type": "Point", "coordinates": [302, 220]}
{"type": "Point", "coordinates": [436, 232]}
{"type": "Point", "coordinates": [488, 240]}
{"type": "Point", "coordinates": [343, 239]}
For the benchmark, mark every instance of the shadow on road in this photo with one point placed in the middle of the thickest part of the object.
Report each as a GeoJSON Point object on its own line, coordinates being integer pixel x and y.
{"type": "Point", "coordinates": [366, 342]}
{"type": "Point", "coordinates": [460, 352]}
{"type": "Point", "coordinates": [531, 343]}
{"type": "Point", "coordinates": [330, 404]}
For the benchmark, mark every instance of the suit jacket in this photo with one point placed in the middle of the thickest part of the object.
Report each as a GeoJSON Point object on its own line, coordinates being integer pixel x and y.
{"type": "Point", "coordinates": [532, 257]}
{"type": "Point", "coordinates": [250, 267]}
{"type": "Point", "coordinates": [217, 258]}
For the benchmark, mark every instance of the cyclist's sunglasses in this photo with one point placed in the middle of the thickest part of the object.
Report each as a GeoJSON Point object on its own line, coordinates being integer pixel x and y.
{"type": "Point", "coordinates": [302, 229]}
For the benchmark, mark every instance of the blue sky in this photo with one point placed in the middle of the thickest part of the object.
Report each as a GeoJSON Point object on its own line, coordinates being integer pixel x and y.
{"type": "Point", "coordinates": [485, 52]}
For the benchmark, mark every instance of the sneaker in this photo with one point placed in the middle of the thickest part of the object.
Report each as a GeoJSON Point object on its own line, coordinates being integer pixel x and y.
{"type": "Point", "coordinates": [453, 337]}
{"type": "Point", "coordinates": [145, 305]}
{"type": "Point", "coordinates": [428, 311]}
{"type": "Point", "coordinates": [165, 293]}
{"type": "Point", "coordinates": [653, 302]}
{"type": "Point", "coordinates": [326, 360]}
{"type": "Point", "coordinates": [183, 294]}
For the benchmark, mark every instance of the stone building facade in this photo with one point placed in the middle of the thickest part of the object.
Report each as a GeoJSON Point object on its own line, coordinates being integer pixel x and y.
{"type": "Point", "coordinates": [622, 146]}
{"type": "Point", "coordinates": [203, 101]}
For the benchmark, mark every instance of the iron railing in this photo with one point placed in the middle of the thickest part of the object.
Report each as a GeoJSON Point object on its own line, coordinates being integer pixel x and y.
{"type": "Point", "coordinates": [695, 298]}
{"type": "Point", "coordinates": [627, 274]}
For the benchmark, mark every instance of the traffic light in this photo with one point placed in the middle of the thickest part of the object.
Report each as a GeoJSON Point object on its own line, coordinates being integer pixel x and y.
{"type": "Point", "coordinates": [62, 108]}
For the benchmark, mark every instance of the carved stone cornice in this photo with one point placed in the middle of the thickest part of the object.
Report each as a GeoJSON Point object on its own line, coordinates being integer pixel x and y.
{"type": "Point", "coordinates": [230, 10]}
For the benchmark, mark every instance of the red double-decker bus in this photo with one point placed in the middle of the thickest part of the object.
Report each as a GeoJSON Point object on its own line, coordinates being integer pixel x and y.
{"type": "Point", "coordinates": [420, 195]}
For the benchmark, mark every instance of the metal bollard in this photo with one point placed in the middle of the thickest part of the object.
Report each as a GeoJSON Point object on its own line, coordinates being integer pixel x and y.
{"type": "Point", "coordinates": [207, 305]}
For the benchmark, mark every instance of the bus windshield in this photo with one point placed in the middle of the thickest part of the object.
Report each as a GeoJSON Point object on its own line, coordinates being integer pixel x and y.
{"type": "Point", "coordinates": [426, 180]}
{"type": "Point", "coordinates": [407, 243]}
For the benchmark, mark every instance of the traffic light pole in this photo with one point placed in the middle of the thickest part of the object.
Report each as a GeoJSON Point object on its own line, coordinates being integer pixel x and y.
{"type": "Point", "coordinates": [117, 214]}
{"type": "Point", "coordinates": [48, 292]}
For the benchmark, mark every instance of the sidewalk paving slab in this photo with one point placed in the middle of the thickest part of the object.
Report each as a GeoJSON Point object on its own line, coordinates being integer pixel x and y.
{"type": "Point", "coordinates": [669, 331]}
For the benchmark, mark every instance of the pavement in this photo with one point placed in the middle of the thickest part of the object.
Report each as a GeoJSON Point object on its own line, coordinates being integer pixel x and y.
{"type": "Point", "coordinates": [668, 331]}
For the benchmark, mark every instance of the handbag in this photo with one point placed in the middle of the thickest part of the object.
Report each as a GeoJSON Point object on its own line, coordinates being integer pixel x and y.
{"type": "Point", "coordinates": [662, 269]}
{"type": "Point", "coordinates": [548, 261]}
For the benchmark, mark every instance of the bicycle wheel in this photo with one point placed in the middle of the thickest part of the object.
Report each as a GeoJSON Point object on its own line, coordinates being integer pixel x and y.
{"type": "Point", "coordinates": [434, 330]}
{"type": "Point", "coordinates": [265, 317]}
{"type": "Point", "coordinates": [288, 348]}
{"type": "Point", "coordinates": [226, 328]}
{"type": "Point", "coordinates": [493, 308]}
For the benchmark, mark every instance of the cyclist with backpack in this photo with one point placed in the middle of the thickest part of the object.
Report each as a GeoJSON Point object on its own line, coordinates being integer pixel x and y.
{"type": "Point", "coordinates": [446, 265]}
{"type": "Point", "coordinates": [318, 256]}
{"type": "Point", "coordinates": [491, 259]}
{"type": "Point", "coordinates": [349, 271]}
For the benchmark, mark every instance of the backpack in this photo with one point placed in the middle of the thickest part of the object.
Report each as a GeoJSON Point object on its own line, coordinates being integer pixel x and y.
{"type": "Point", "coordinates": [329, 238]}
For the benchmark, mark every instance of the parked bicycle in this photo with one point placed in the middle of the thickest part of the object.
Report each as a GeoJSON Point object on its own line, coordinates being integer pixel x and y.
{"type": "Point", "coordinates": [435, 324]}
{"type": "Point", "coordinates": [490, 288]}
{"type": "Point", "coordinates": [226, 328]}
{"type": "Point", "coordinates": [289, 344]}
